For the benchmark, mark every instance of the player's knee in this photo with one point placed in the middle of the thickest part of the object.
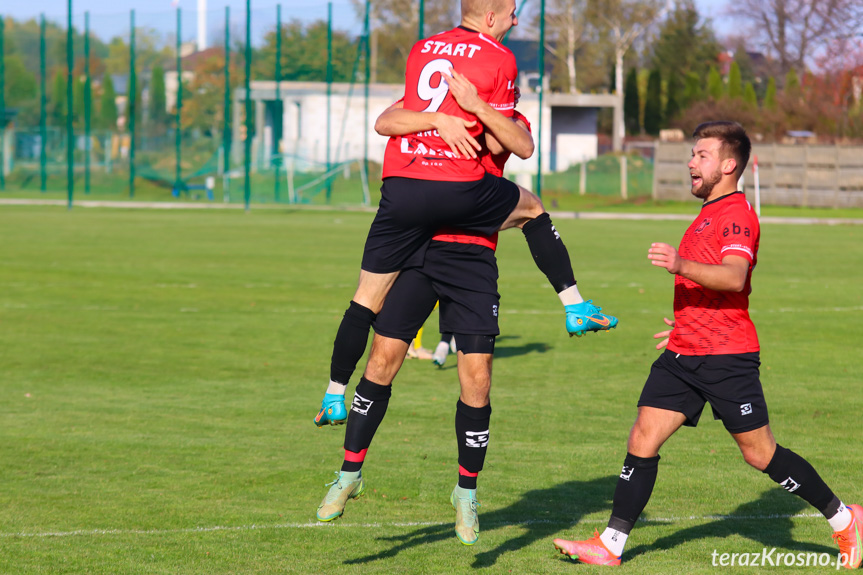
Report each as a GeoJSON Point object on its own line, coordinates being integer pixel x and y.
{"type": "Point", "coordinates": [642, 442]}
{"type": "Point", "coordinates": [757, 458]}
{"type": "Point", "coordinates": [530, 205]}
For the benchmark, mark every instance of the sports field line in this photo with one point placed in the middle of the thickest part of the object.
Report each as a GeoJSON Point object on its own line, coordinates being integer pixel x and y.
{"type": "Point", "coordinates": [555, 214]}
{"type": "Point", "coordinates": [396, 524]}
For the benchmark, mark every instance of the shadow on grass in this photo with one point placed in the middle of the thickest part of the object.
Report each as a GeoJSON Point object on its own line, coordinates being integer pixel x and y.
{"type": "Point", "coordinates": [506, 351]}
{"type": "Point", "coordinates": [545, 513]}
{"type": "Point", "coordinates": [765, 520]}
{"type": "Point", "coordinates": [539, 514]}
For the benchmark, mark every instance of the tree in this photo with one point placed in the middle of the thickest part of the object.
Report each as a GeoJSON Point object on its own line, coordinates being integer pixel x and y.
{"type": "Point", "coordinates": [631, 104]}
{"type": "Point", "coordinates": [653, 104]}
{"type": "Point", "coordinates": [567, 30]}
{"type": "Point", "coordinates": [78, 102]}
{"type": "Point", "coordinates": [793, 31]}
{"type": "Point", "coordinates": [692, 91]}
{"type": "Point", "coordinates": [108, 105]}
{"type": "Point", "coordinates": [672, 100]}
{"type": "Point", "coordinates": [792, 83]}
{"type": "Point", "coordinates": [58, 99]}
{"type": "Point", "coordinates": [21, 90]}
{"type": "Point", "coordinates": [623, 22]}
{"type": "Point", "coordinates": [749, 95]}
{"type": "Point", "coordinates": [157, 108]}
{"type": "Point", "coordinates": [395, 29]}
{"type": "Point", "coordinates": [684, 43]}
{"type": "Point", "coordinates": [203, 96]}
{"type": "Point", "coordinates": [735, 83]}
{"type": "Point", "coordinates": [770, 95]}
{"type": "Point", "coordinates": [715, 88]}
{"type": "Point", "coordinates": [304, 54]}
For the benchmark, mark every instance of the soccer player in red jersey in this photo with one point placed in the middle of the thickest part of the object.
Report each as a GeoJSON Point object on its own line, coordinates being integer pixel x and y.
{"type": "Point", "coordinates": [712, 356]}
{"type": "Point", "coordinates": [427, 186]}
{"type": "Point", "coordinates": [460, 270]}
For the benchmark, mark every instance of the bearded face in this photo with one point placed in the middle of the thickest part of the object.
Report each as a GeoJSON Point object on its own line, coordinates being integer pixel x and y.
{"type": "Point", "coordinates": [703, 184]}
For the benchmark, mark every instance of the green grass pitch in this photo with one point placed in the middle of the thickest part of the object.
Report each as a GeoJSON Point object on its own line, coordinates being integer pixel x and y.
{"type": "Point", "coordinates": [159, 372]}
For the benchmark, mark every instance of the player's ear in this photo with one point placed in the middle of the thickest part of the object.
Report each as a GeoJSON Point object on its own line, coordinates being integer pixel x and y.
{"type": "Point", "coordinates": [490, 19]}
{"type": "Point", "coordinates": [729, 165]}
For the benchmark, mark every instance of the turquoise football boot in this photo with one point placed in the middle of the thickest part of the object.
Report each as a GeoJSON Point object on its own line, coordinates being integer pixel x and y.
{"type": "Point", "coordinates": [332, 411]}
{"type": "Point", "coordinates": [584, 317]}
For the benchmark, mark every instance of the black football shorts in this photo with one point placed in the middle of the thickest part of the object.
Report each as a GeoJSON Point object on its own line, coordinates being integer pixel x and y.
{"type": "Point", "coordinates": [462, 276]}
{"type": "Point", "coordinates": [411, 211]}
{"type": "Point", "coordinates": [729, 383]}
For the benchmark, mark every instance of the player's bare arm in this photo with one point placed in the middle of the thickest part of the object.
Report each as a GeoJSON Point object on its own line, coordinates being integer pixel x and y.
{"type": "Point", "coordinates": [396, 121]}
{"type": "Point", "coordinates": [730, 275]}
{"type": "Point", "coordinates": [509, 135]}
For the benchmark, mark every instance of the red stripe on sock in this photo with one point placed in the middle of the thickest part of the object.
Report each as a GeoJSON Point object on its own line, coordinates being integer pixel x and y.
{"type": "Point", "coordinates": [355, 457]}
{"type": "Point", "coordinates": [465, 472]}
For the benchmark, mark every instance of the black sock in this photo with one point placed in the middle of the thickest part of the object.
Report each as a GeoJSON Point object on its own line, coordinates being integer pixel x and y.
{"type": "Point", "coordinates": [549, 252]}
{"type": "Point", "coordinates": [366, 413]}
{"type": "Point", "coordinates": [351, 341]}
{"type": "Point", "coordinates": [797, 476]}
{"type": "Point", "coordinates": [633, 491]}
{"type": "Point", "coordinates": [471, 431]}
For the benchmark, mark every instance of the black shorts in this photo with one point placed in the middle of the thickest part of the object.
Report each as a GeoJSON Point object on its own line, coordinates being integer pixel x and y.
{"type": "Point", "coordinates": [462, 276]}
{"type": "Point", "coordinates": [730, 383]}
{"type": "Point", "coordinates": [411, 211]}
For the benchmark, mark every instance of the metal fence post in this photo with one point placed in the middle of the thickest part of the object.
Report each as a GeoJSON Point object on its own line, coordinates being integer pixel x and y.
{"type": "Point", "coordinates": [179, 104]}
{"type": "Point", "coordinates": [88, 94]}
{"type": "Point", "coordinates": [277, 122]}
{"type": "Point", "coordinates": [541, 93]}
{"type": "Point", "coordinates": [226, 129]}
{"type": "Point", "coordinates": [131, 107]}
{"type": "Point", "coordinates": [70, 133]}
{"type": "Point", "coordinates": [247, 184]}
{"type": "Point", "coordinates": [2, 111]}
{"type": "Point", "coordinates": [43, 131]}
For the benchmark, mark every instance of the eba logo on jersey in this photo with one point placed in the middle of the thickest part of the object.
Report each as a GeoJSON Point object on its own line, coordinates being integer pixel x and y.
{"type": "Point", "coordinates": [735, 230]}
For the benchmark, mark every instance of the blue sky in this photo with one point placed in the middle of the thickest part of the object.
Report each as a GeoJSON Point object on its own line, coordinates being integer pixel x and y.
{"type": "Point", "coordinates": [113, 14]}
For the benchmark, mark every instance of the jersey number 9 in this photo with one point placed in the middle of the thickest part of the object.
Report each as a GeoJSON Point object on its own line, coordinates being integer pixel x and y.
{"type": "Point", "coordinates": [426, 91]}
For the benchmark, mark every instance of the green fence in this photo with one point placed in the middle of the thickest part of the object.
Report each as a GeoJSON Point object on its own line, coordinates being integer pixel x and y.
{"type": "Point", "coordinates": [185, 105]}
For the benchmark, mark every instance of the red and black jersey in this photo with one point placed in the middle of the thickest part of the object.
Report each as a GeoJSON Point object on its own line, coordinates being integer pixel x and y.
{"type": "Point", "coordinates": [493, 164]}
{"type": "Point", "coordinates": [710, 322]}
{"type": "Point", "coordinates": [488, 65]}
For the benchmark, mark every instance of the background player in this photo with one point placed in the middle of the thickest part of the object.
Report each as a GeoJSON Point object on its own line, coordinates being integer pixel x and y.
{"type": "Point", "coordinates": [712, 356]}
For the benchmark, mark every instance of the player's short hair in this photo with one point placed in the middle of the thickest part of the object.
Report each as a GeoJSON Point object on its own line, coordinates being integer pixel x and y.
{"type": "Point", "coordinates": [479, 8]}
{"type": "Point", "coordinates": [735, 142]}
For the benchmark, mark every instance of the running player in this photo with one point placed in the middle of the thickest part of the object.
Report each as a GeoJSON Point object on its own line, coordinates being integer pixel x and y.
{"type": "Point", "coordinates": [712, 356]}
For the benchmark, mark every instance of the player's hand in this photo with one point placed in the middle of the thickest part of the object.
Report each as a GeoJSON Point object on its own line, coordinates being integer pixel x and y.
{"type": "Point", "coordinates": [665, 256]}
{"type": "Point", "coordinates": [664, 335]}
{"type": "Point", "coordinates": [463, 91]}
{"type": "Point", "coordinates": [453, 131]}
{"type": "Point", "coordinates": [517, 93]}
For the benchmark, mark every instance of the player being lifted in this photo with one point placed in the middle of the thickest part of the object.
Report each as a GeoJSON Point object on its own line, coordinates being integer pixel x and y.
{"type": "Point", "coordinates": [460, 270]}
{"type": "Point", "coordinates": [426, 186]}
{"type": "Point", "coordinates": [712, 356]}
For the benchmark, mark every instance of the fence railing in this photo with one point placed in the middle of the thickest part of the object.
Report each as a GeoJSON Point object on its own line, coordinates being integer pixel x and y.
{"type": "Point", "coordinates": [803, 175]}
